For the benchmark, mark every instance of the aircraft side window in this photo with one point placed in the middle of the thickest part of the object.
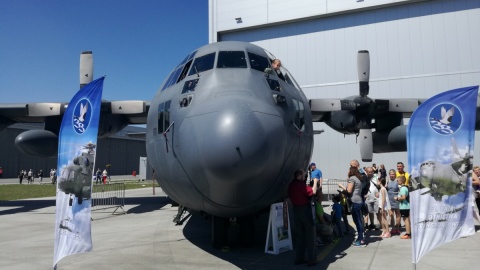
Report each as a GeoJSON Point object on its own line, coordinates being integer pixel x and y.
{"type": "Point", "coordinates": [163, 116]}
{"type": "Point", "coordinates": [258, 62]}
{"type": "Point", "coordinates": [289, 79]}
{"type": "Point", "coordinates": [202, 63]}
{"type": "Point", "coordinates": [274, 84]}
{"type": "Point", "coordinates": [189, 86]}
{"type": "Point", "coordinates": [231, 59]}
{"type": "Point", "coordinates": [184, 102]}
{"type": "Point", "coordinates": [299, 115]}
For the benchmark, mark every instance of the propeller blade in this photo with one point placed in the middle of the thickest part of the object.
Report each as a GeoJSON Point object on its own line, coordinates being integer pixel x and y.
{"type": "Point", "coordinates": [363, 68]}
{"type": "Point", "coordinates": [366, 144]}
{"type": "Point", "coordinates": [86, 68]}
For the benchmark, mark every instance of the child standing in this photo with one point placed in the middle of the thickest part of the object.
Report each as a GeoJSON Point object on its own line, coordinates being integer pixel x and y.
{"type": "Point", "coordinates": [384, 206]}
{"type": "Point", "coordinates": [345, 209]}
{"type": "Point", "coordinates": [337, 215]}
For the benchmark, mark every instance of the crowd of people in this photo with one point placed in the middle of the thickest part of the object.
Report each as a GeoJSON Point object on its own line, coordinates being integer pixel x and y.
{"type": "Point", "coordinates": [375, 198]}
{"type": "Point", "coordinates": [30, 176]}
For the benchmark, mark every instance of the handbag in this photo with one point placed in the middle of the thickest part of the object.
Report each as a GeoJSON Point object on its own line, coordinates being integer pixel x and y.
{"type": "Point", "coordinates": [324, 229]}
{"type": "Point", "coordinates": [349, 206]}
{"type": "Point", "coordinates": [364, 209]}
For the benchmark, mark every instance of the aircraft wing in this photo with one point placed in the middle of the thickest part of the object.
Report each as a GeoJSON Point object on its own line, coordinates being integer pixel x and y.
{"type": "Point", "coordinates": [14, 113]}
{"type": "Point", "coordinates": [321, 107]}
{"type": "Point", "coordinates": [114, 116]}
{"type": "Point", "coordinates": [132, 112]}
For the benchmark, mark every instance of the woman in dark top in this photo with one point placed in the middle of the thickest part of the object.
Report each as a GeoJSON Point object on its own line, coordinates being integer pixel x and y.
{"type": "Point", "coordinates": [382, 172]}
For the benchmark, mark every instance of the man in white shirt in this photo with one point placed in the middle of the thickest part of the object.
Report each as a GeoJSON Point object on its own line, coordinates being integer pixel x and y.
{"type": "Point", "coordinates": [371, 199]}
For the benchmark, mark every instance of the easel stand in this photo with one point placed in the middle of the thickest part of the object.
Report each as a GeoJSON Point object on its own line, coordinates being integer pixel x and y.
{"type": "Point", "coordinates": [279, 237]}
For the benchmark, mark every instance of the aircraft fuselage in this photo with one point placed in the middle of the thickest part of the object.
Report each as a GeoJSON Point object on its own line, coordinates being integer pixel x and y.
{"type": "Point", "coordinates": [224, 136]}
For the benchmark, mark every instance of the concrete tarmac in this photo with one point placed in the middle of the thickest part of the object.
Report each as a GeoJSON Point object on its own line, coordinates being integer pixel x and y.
{"type": "Point", "coordinates": [146, 238]}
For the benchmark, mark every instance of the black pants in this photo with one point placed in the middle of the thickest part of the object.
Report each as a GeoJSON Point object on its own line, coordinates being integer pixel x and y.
{"type": "Point", "coordinates": [477, 201]}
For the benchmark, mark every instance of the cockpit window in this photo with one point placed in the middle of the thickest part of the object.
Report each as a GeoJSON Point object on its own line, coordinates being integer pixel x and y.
{"type": "Point", "coordinates": [285, 75]}
{"type": "Point", "coordinates": [202, 63]}
{"type": "Point", "coordinates": [184, 71]}
{"type": "Point", "coordinates": [180, 72]}
{"type": "Point", "coordinates": [163, 116]}
{"type": "Point", "coordinates": [173, 78]}
{"type": "Point", "coordinates": [189, 86]}
{"type": "Point", "coordinates": [188, 57]}
{"type": "Point", "coordinates": [231, 59]}
{"type": "Point", "coordinates": [258, 62]}
{"type": "Point", "coordinates": [299, 115]}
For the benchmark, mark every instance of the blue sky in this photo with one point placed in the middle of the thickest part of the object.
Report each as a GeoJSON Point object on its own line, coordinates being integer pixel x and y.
{"type": "Point", "coordinates": [134, 43]}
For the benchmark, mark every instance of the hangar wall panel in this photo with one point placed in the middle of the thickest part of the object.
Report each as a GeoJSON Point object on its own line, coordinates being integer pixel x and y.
{"type": "Point", "coordinates": [416, 50]}
{"type": "Point", "coordinates": [261, 12]}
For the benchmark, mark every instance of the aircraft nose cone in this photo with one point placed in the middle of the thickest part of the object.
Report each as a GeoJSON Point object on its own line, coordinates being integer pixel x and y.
{"type": "Point", "coordinates": [241, 149]}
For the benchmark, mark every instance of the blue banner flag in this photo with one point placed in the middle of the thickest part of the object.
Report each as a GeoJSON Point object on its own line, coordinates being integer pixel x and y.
{"type": "Point", "coordinates": [440, 138]}
{"type": "Point", "coordinates": [76, 157]}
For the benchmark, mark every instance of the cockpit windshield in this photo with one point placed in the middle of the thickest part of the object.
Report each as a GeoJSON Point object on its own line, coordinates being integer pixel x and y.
{"type": "Point", "coordinates": [202, 63]}
{"type": "Point", "coordinates": [231, 59]}
{"type": "Point", "coordinates": [258, 62]}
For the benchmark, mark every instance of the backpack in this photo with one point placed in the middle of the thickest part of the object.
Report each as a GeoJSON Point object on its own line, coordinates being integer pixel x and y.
{"type": "Point", "coordinates": [365, 185]}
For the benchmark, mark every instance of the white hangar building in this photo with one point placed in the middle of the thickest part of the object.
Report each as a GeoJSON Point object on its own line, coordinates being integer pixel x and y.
{"type": "Point", "coordinates": [417, 49]}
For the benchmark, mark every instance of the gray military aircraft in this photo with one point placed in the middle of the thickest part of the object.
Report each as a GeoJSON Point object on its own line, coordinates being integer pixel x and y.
{"type": "Point", "coordinates": [444, 178]}
{"type": "Point", "coordinates": [226, 131]}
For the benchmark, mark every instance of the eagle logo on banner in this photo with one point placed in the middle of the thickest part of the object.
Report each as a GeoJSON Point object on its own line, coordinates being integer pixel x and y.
{"type": "Point", "coordinates": [81, 116]}
{"type": "Point", "coordinates": [443, 121]}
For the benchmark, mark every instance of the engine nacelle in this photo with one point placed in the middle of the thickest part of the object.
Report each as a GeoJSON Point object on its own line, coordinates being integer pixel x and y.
{"type": "Point", "coordinates": [343, 122]}
{"type": "Point", "coordinates": [390, 141]}
{"type": "Point", "coordinates": [38, 143]}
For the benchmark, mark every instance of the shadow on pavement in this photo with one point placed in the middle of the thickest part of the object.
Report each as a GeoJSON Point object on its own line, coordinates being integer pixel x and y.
{"type": "Point", "coordinates": [197, 231]}
{"type": "Point", "coordinates": [142, 205]}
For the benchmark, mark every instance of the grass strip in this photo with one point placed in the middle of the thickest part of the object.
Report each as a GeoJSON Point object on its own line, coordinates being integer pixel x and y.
{"type": "Point", "coordinates": [26, 191]}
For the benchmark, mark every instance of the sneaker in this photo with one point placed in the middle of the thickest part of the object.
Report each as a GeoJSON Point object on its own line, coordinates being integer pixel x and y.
{"type": "Point", "coordinates": [406, 236]}
{"type": "Point", "coordinates": [371, 227]}
{"type": "Point", "coordinates": [395, 232]}
{"type": "Point", "coordinates": [359, 244]}
{"type": "Point", "coordinates": [386, 235]}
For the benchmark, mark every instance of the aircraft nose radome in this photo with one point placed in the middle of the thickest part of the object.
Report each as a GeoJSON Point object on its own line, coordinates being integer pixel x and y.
{"type": "Point", "coordinates": [240, 150]}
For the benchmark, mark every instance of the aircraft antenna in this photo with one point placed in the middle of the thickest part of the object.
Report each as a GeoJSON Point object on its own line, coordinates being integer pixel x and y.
{"type": "Point", "coordinates": [165, 135]}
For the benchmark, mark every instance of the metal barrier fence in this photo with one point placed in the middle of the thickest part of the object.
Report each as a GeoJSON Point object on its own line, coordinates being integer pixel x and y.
{"type": "Point", "coordinates": [330, 186]}
{"type": "Point", "coordinates": [106, 196]}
